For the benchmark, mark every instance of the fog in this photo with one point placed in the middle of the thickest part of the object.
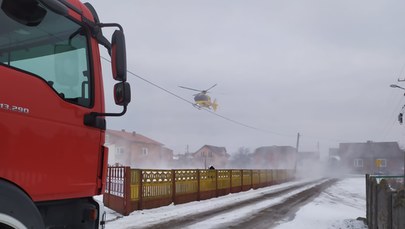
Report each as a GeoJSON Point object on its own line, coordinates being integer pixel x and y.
{"type": "Point", "coordinates": [319, 68]}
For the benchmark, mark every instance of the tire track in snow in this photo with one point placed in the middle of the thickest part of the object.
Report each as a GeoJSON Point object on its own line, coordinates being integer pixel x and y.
{"type": "Point", "coordinates": [272, 215]}
{"type": "Point", "coordinates": [191, 219]}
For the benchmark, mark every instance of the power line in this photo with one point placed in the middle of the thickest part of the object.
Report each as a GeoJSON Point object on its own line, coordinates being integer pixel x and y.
{"type": "Point", "coordinates": [202, 108]}
{"type": "Point", "coordinates": [149, 82]}
{"type": "Point", "coordinates": [247, 126]}
{"type": "Point", "coordinates": [221, 116]}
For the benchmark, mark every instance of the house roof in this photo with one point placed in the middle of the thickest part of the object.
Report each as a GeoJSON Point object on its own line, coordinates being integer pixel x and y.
{"type": "Point", "coordinates": [215, 149]}
{"type": "Point", "coordinates": [133, 137]}
{"type": "Point", "coordinates": [371, 149]}
{"type": "Point", "coordinates": [274, 149]}
{"type": "Point", "coordinates": [308, 155]}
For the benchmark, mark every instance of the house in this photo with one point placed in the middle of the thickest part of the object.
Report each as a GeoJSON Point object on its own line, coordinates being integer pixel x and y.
{"type": "Point", "coordinates": [137, 151]}
{"type": "Point", "coordinates": [372, 157]}
{"type": "Point", "coordinates": [274, 157]}
{"type": "Point", "coordinates": [209, 155]}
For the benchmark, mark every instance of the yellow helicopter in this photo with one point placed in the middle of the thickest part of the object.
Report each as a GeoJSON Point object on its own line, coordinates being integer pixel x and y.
{"type": "Point", "coordinates": [202, 99]}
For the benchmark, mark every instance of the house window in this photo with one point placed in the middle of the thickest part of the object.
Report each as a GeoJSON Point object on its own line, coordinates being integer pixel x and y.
{"type": "Point", "coordinates": [358, 163]}
{"type": "Point", "coordinates": [145, 151]}
{"type": "Point", "coordinates": [119, 150]}
{"type": "Point", "coordinates": [381, 163]}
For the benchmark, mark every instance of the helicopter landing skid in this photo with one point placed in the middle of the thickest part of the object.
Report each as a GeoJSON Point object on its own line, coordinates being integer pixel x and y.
{"type": "Point", "coordinates": [197, 106]}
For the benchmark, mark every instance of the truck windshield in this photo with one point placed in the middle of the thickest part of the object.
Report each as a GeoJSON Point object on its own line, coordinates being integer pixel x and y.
{"type": "Point", "coordinates": [54, 50]}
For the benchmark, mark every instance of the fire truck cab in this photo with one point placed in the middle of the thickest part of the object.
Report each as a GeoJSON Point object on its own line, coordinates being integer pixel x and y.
{"type": "Point", "coordinates": [52, 113]}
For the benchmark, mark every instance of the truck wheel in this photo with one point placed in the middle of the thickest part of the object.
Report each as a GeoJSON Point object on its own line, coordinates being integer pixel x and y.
{"type": "Point", "coordinates": [17, 210]}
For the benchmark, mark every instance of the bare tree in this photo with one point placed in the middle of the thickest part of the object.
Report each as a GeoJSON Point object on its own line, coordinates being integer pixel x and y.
{"type": "Point", "coordinates": [241, 159]}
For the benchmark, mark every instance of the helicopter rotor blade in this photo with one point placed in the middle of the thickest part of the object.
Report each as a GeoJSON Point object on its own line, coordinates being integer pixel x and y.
{"type": "Point", "coordinates": [210, 87]}
{"type": "Point", "coordinates": [190, 88]}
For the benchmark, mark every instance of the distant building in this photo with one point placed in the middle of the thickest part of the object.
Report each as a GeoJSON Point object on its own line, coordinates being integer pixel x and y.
{"type": "Point", "coordinates": [372, 157]}
{"type": "Point", "coordinates": [211, 155]}
{"type": "Point", "coordinates": [333, 152]}
{"type": "Point", "coordinates": [308, 159]}
{"type": "Point", "coordinates": [137, 151]}
{"type": "Point", "coordinates": [274, 157]}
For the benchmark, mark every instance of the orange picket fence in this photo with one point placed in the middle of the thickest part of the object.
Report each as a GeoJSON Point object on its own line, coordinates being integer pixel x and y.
{"type": "Point", "coordinates": [129, 189]}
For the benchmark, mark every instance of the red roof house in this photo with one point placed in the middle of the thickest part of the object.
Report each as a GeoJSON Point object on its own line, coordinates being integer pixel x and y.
{"type": "Point", "coordinates": [136, 150]}
{"type": "Point", "coordinates": [209, 155]}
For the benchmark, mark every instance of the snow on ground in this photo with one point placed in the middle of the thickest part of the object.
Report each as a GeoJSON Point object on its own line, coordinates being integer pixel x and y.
{"type": "Point", "coordinates": [336, 208]}
{"type": "Point", "coordinates": [245, 212]}
{"type": "Point", "coordinates": [152, 216]}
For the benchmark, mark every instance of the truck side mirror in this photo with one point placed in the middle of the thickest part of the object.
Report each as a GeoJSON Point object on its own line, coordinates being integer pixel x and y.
{"type": "Point", "coordinates": [118, 56]}
{"type": "Point", "coordinates": [122, 93]}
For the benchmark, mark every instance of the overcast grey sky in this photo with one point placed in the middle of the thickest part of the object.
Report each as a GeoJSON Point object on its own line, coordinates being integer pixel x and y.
{"type": "Point", "coordinates": [321, 68]}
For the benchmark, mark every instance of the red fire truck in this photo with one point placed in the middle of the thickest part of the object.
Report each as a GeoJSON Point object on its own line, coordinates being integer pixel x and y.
{"type": "Point", "coordinates": [52, 118]}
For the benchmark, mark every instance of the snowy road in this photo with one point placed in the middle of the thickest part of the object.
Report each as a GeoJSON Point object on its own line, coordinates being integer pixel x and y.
{"type": "Point", "coordinates": [269, 217]}
{"type": "Point", "coordinates": [316, 204]}
{"type": "Point", "coordinates": [255, 210]}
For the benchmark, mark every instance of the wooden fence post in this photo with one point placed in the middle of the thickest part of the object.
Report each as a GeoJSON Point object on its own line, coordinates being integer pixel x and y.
{"type": "Point", "coordinates": [241, 180]}
{"type": "Point", "coordinates": [198, 186]}
{"type": "Point", "coordinates": [127, 190]}
{"type": "Point", "coordinates": [174, 186]}
{"type": "Point", "coordinates": [230, 181]}
{"type": "Point", "coordinates": [374, 206]}
{"type": "Point", "coordinates": [398, 210]}
{"type": "Point", "coordinates": [216, 183]}
{"type": "Point", "coordinates": [251, 179]}
{"type": "Point", "coordinates": [384, 204]}
{"type": "Point", "coordinates": [368, 199]}
{"type": "Point", "coordinates": [109, 185]}
{"type": "Point", "coordinates": [140, 203]}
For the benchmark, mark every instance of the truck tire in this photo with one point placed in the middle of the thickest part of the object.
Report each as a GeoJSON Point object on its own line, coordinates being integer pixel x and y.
{"type": "Point", "coordinates": [17, 209]}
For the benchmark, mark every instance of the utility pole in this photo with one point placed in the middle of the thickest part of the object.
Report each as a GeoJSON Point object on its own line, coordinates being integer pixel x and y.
{"type": "Point", "coordinates": [296, 153]}
{"type": "Point", "coordinates": [400, 116]}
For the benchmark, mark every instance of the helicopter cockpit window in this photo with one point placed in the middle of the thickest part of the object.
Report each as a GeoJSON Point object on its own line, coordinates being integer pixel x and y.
{"type": "Point", "coordinates": [55, 50]}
